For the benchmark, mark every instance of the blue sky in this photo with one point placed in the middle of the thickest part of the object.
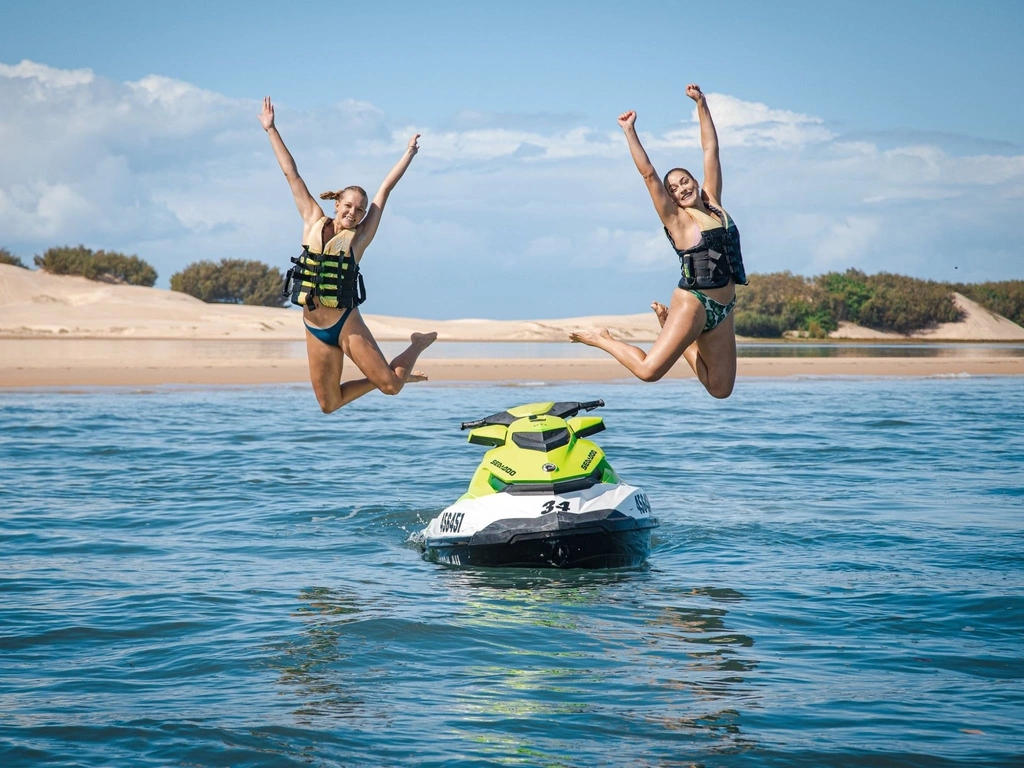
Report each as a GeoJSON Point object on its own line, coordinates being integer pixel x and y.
{"type": "Point", "coordinates": [882, 136]}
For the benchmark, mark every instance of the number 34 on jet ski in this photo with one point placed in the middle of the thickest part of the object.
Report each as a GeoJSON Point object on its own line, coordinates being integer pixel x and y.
{"type": "Point", "coordinates": [543, 496]}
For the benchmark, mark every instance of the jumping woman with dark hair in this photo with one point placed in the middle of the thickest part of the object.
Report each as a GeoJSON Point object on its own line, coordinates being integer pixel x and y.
{"type": "Point", "coordinates": [326, 283]}
{"type": "Point", "coordinates": [698, 324]}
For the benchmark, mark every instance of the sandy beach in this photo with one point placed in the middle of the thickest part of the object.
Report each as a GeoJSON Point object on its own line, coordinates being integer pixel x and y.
{"type": "Point", "coordinates": [63, 362]}
{"type": "Point", "coordinates": [69, 331]}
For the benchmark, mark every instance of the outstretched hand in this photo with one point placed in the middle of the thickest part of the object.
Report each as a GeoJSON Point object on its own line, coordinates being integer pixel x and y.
{"type": "Point", "coordinates": [627, 119]}
{"type": "Point", "coordinates": [413, 146]}
{"type": "Point", "coordinates": [694, 92]}
{"type": "Point", "coordinates": [267, 115]}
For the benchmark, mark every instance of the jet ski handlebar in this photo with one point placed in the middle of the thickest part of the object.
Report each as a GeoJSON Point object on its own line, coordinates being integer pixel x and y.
{"type": "Point", "coordinates": [561, 410]}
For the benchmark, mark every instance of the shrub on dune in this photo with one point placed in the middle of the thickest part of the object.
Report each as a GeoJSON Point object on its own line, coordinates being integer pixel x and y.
{"type": "Point", "coordinates": [758, 325]}
{"type": "Point", "coordinates": [906, 304]}
{"type": "Point", "coordinates": [781, 301]}
{"type": "Point", "coordinates": [97, 265]}
{"type": "Point", "coordinates": [231, 281]}
{"type": "Point", "coordinates": [6, 257]}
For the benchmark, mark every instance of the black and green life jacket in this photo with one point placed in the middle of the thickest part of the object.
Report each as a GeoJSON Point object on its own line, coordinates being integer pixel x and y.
{"type": "Point", "coordinates": [325, 272]}
{"type": "Point", "coordinates": [331, 279]}
{"type": "Point", "coordinates": [717, 258]}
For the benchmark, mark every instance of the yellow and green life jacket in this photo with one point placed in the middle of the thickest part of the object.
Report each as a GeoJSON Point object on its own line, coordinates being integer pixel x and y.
{"type": "Point", "coordinates": [326, 272]}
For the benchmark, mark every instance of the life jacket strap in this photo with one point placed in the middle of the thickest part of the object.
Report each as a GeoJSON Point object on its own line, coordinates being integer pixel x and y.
{"type": "Point", "coordinates": [360, 288]}
{"type": "Point", "coordinates": [335, 279]}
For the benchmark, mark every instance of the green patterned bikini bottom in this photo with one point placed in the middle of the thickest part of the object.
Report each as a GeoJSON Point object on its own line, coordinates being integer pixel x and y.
{"type": "Point", "coordinates": [716, 311]}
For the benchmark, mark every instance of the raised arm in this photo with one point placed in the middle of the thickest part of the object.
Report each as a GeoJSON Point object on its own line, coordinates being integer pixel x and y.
{"type": "Point", "coordinates": [663, 204]}
{"type": "Point", "coordinates": [308, 208]}
{"type": "Point", "coordinates": [369, 224]}
{"type": "Point", "coordinates": [709, 143]}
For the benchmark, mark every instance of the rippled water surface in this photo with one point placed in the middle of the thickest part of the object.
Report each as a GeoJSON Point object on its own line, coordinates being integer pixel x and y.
{"type": "Point", "coordinates": [225, 577]}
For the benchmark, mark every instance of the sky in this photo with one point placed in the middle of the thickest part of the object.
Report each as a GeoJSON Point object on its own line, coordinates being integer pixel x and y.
{"type": "Point", "coordinates": [883, 136]}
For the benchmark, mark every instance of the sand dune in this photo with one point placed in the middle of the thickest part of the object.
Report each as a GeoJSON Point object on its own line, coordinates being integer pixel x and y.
{"type": "Point", "coordinates": [978, 324]}
{"type": "Point", "coordinates": [36, 304]}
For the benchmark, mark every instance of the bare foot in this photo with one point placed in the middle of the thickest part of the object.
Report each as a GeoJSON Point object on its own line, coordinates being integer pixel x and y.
{"type": "Point", "coordinates": [591, 338]}
{"type": "Point", "coordinates": [423, 340]}
{"type": "Point", "coordinates": [661, 311]}
{"type": "Point", "coordinates": [415, 376]}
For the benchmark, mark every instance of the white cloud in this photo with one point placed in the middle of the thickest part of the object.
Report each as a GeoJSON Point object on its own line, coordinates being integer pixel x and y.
{"type": "Point", "coordinates": [524, 146]}
{"type": "Point", "coordinates": [176, 173]}
{"type": "Point", "coordinates": [47, 76]}
{"type": "Point", "coordinates": [748, 124]}
{"type": "Point", "coordinates": [841, 243]}
{"type": "Point", "coordinates": [549, 247]}
{"type": "Point", "coordinates": [730, 112]}
{"type": "Point", "coordinates": [638, 250]}
{"type": "Point", "coordinates": [988, 170]}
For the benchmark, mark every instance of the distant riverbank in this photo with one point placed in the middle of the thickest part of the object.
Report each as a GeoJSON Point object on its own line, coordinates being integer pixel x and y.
{"type": "Point", "coordinates": [65, 331]}
{"type": "Point", "coordinates": [34, 304]}
{"type": "Point", "coordinates": [144, 362]}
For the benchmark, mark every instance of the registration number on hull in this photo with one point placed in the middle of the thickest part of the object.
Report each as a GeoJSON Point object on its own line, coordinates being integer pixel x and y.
{"type": "Point", "coordinates": [643, 506]}
{"type": "Point", "coordinates": [451, 522]}
{"type": "Point", "coordinates": [559, 505]}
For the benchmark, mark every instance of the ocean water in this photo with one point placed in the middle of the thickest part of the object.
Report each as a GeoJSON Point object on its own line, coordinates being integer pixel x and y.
{"type": "Point", "coordinates": [227, 577]}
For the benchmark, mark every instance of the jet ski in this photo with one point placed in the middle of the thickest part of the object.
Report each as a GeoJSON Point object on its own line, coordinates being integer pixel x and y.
{"type": "Point", "coordinates": [543, 496]}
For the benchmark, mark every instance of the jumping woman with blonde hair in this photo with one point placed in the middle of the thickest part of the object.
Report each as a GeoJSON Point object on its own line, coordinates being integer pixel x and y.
{"type": "Point", "coordinates": [698, 324]}
{"type": "Point", "coordinates": [326, 283]}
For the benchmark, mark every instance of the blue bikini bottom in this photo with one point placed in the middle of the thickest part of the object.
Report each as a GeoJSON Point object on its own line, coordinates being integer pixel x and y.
{"type": "Point", "coordinates": [329, 336]}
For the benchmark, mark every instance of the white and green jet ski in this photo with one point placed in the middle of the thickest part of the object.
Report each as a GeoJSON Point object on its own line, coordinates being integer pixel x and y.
{"type": "Point", "coordinates": [543, 496]}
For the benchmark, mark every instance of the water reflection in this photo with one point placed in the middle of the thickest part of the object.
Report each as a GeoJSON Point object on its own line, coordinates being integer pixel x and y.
{"type": "Point", "coordinates": [154, 351]}
{"type": "Point", "coordinates": [600, 648]}
{"type": "Point", "coordinates": [852, 349]}
{"type": "Point", "coordinates": [159, 351]}
{"type": "Point", "coordinates": [310, 666]}
{"type": "Point", "coordinates": [527, 665]}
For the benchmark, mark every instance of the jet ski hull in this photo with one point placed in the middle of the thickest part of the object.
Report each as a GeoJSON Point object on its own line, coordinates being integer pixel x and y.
{"type": "Point", "coordinates": [575, 546]}
{"type": "Point", "coordinates": [604, 527]}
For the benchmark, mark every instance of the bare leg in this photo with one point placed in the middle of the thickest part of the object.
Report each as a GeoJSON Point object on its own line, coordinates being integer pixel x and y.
{"type": "Point", "coordinates": [719, 345]}
{"type": "Point", "coordinates": [325, 367]}
{"type": "Point", "coordinates": [683, 324]}
{"type": "Point", "coordinates": [358, 343]}
{"type": "Point", "coordinates": [713, 358]}
{"type": "Point", "coordinates": [326, 364]}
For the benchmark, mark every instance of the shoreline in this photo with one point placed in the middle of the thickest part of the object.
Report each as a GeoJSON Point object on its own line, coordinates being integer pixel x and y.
{"type": "Point", "coordinates": [392, 338]}
{"type": "Point", "coordinates": [59, 330]}
{"type": "Point", "coordinates": [115, 372]}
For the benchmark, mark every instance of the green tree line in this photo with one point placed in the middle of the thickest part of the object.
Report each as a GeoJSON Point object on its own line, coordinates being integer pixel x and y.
{"type": "Point", "coordinates": [781, 301]}
{"type": "Point", "coordinates": [771, 305]}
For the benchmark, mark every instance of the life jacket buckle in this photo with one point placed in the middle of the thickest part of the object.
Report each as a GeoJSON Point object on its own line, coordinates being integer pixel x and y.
{"type": "Point", "coordinates": [689, 271]}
